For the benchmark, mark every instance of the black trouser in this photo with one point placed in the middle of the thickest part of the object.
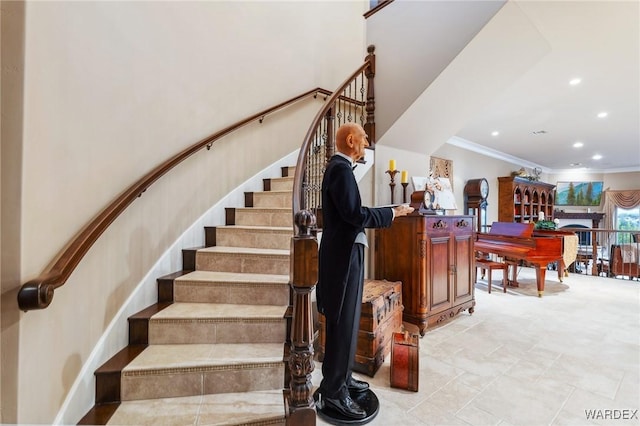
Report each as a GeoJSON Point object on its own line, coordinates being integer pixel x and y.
{"type": "Point", "coordinates": [341, 338]}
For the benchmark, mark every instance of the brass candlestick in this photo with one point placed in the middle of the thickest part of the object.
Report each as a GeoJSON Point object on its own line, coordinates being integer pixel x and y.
{"type": "Point", "coordinates": [392, 184]}
{"type": "Point", "coordinates": [404, 191]}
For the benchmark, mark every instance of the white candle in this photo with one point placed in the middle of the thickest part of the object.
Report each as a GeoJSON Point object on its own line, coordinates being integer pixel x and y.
{"type": "Point", "coordinates": [541, 216]}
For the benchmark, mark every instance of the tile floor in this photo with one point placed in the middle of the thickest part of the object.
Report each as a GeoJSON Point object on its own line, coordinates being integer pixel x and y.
{"type": "Point", "coordinates": [518, 360]}
{"type": "Point", "coordinates": [524, 360]}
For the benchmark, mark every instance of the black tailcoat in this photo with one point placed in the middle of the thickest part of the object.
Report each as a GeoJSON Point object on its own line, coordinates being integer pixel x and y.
{"type": "Point", "coordinates": [343, 219]}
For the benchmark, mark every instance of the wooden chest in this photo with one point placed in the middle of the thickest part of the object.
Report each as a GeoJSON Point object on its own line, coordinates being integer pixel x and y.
{"type": "Point", "coordinates": [380, 300]}
{"type": "Point", "coordinates": [381, 316]}
{"type": "Point", "coordinates": [371, 342]}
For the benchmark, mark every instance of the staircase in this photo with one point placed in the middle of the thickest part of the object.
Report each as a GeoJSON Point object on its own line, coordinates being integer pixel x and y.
{"type": "Point", "coordinates": [211, 351]}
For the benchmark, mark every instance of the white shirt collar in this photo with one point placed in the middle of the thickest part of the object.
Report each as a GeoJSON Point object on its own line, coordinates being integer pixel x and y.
{"type": "Point", "coordinates": [346, 157]}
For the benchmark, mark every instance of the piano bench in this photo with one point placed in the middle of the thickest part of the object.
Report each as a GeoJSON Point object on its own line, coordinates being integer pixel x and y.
{"type": "Point", "coordinates": [490, 265]}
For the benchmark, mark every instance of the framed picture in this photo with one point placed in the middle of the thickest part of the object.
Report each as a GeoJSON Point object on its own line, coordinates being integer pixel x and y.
{"type": "Point", "coordinates": [441, 167]}
{"type": "Point", "coordinates": [578, 193]}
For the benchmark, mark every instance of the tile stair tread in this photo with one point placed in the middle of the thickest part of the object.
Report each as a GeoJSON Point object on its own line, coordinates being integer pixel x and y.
{"type": "Point", "coordinates": [244, 250]}
{"type": "Point", "coordinates": [234, 277]}
{"type": "Point", "coordinates": [227, 408]}
{"type": "Point", "coordinates": [275, 209]}
{"type": "Point", "coordinates": [181, 310]}
{"type": "Point", "coordinates": [219, 409]}
{"type": "Point", "coordinates": [258, 228]}
{"type": "Point", "coordinates": [288, 181]}
{"type": "Point", "coordinates": [194, 356]}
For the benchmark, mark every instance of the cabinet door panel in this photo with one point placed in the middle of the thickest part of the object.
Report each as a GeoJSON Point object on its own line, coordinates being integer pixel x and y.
{"type": "Point", "coordinates": [463, 248]}
{"type": "Point", "coordinates": [438, 253]}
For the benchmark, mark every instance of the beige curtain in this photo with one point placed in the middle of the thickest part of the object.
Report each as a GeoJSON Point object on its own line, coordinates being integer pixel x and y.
{"type": "Point", "coordinates": [625, 199]}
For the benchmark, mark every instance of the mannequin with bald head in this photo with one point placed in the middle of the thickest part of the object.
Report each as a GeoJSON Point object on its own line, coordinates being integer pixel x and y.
{"type": "Point", "coordinates": [341, 269]}
{"type": "Point", "coordinates": [351, 140]}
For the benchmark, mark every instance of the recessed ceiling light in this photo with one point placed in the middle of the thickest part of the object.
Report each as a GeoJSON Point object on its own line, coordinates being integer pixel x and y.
{"type": "Point", "coordinates": [578, 145]}
{"type": "Point", "coordinates": [495, 133]}
{"type": "Point", "coordinates": [575, 81]}
{"type": "Point", "coordinates": [576, 164]}
{"type": "Point", "coordinates": [602, 114]}
{"type": "Point", "coordinates": [596, 157]}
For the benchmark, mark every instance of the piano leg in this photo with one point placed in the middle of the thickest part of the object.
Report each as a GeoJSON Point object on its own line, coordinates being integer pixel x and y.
{"type": "Point", "coordinates": [561, 269]}
{"type": "Point", "coordinates": [540, 274]}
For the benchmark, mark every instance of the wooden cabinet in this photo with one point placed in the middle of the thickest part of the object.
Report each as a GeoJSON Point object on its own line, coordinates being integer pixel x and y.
{"type": "Point", "coordinates": [522, 200]}
{"type": "Point", "coordinates": [433, 257]}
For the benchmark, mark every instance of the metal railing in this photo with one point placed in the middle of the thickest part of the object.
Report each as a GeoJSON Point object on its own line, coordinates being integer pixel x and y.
{"type": "Point", "coordinates": [607, 252]}
{"type": "Point", "coordinates": [353, 101]}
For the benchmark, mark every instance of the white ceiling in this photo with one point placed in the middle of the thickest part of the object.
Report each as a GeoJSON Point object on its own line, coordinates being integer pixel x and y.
{"type": "Point", "coordinates": [596, 41]}
{"type": "Point", "coordinates": [458, 70]}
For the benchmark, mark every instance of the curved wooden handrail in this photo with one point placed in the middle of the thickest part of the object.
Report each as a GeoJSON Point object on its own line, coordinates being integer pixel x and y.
{"type": "Point", "coordinates": [301, 163]}
{"type": "Point", "coordinates": [38, 293]}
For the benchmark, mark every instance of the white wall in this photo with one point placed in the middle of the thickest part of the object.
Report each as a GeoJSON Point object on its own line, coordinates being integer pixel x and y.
{"type": "Point", "coordinates": [471, 165]}
{"type": "Point", "coordinates": [12, 21]}
{"type": "Point", "coordinates": [620, 181]}
{"type": "Point", "coordinates": [466, 165]}
{"type": "Point", "coordinates": [111, 90]}
{"type": "Point", "coordinates": [415, 44]}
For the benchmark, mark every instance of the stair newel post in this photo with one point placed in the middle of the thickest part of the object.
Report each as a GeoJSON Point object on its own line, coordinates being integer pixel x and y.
{"type": "Point", "coordinates": [304, 276]}
{"type": "Point", "coordinates": [370, 107]}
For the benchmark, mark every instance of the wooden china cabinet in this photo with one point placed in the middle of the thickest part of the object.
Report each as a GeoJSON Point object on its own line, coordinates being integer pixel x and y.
{"type": "Point", "coordinates": [433, 257]}
{"type": "Point", "coordinates": [521, 200]}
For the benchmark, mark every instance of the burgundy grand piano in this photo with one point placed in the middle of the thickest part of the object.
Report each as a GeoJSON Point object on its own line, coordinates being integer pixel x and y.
{"type": "Point", "coordinates": [518, 241]}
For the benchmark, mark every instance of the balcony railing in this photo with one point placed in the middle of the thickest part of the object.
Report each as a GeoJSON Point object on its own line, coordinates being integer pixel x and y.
{"type": "Point", "coordinates": [609, 252]}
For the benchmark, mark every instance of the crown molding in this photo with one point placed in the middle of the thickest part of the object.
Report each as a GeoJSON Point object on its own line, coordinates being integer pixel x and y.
{"type": "Point", "coordinates": [489, 152]}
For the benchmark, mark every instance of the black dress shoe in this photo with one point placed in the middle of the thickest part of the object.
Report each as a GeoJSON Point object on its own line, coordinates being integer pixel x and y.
{"type": "Point", "coordinates": [345, 406]}
{"type": "Point", "coordinates": [357, 386]}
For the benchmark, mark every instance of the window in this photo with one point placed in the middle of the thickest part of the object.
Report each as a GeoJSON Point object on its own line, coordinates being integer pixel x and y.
{"type": "Point", "coordinates": [627, 220]}
{"type": "Point", "coordinates": [376, 5]}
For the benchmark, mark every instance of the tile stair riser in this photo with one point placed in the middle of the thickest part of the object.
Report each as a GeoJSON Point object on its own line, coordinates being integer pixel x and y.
{"type": "Point", "coordinates": [282, 184]}
{"type": "Point", "coordinates": [175, 377]}
{"type": "Point", "coordinates": [192, 381]}
{"type": "Point", "coordinates": [263, 217]}
{"type": "Point", "coordinates": [236, 237]}
{"type": "Point", "coordinates": [236, 293]}
{"type": "Point", "coordinates": [243, 263]}
{"type": "Point", "coordinates": [260, 408]}
{"type": "Point", "coordinates": [272, 199]}
{"type": "Point", "coordinates": [289, 171]}
{"type": "Point", "coordinates": [240, 330]}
